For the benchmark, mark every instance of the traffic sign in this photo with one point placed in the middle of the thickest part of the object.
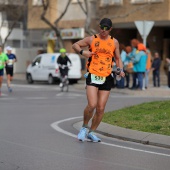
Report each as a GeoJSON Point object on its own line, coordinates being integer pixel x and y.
{"type": "Point", "coordinates": [144, 28]}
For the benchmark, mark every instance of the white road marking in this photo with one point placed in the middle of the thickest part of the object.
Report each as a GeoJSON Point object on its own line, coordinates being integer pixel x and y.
{"type": "Point", "coordinates": [8, 98]}
{"type": "Point", "coordinates": [55, 126]}
{"type": "Point", "coordinates": [69, 94]}
{"type": "Point", "coordinates": [3, 94]}
{"type": "Point", "coordinates": [25, 85]}
{"type": "Point", "coordinates": [35, 86]}
{"type": "Point", "coordinates": [130, 96]}
{"type": "Point", "coordinates": [35, 98]}
{"type": "Point", "coordinates": [60, 94]}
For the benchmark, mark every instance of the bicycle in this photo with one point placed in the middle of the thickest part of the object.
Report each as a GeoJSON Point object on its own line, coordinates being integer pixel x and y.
{"type": "Point", "coordinates": [64, 77]}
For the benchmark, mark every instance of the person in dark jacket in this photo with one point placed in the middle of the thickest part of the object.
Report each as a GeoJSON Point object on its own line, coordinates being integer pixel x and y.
{"type": "Point", "coordinates": [156, 69]}
{"type": "Point", "coordinates": [168, 63]}
{"type": "Point", "coordinates": [62, 61]}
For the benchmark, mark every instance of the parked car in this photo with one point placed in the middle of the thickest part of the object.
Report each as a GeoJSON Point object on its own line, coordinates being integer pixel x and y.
{"type": "Point", "coordinates": [45, 68]}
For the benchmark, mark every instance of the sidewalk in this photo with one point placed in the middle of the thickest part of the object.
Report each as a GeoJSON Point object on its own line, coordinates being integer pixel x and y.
{"type": "Point", "coordinates": [162, 91]}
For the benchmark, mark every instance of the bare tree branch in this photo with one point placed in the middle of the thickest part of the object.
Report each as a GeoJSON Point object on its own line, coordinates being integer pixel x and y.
{"type": "Point", "coordinates": [19, 10]}
{"type": "Point", "coordinates": [88, 30]}
{"type": "Point", "coordinates": [81, 6]}
{"type": "Point", "coordinates": [63, 13]}
{"type": "Point", "coordinates": [9, 32]}
{"type": "Point", "coordinates": [45, 7]}
{"type": "Point", "coordinates": [46, 4]}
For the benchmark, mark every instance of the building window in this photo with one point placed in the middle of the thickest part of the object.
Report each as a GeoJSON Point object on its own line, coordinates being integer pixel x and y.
{"type": "Point", "coordinates": [37, 2]}
{"type": "Point", "coordinates": [110, 2]}
{"type": "Point", "coordinates": [145, 1]}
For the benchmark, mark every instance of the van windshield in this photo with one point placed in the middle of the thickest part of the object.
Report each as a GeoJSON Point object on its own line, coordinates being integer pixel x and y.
{"type": "Point", "coordinates": [36, 62]}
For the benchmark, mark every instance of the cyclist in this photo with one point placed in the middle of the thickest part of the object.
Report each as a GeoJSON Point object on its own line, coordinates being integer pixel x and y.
{"type": "Point", "coordinates": [62, 61]}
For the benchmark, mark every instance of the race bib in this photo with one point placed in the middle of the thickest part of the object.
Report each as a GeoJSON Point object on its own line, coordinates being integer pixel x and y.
{"type": "Point", "coordinates": [97, 79]}
{"type": "Point", "coordinates": [10, 62]}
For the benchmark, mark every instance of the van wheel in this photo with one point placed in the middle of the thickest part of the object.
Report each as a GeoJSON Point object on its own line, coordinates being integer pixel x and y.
{"type": "Point", "coordinates": [50, 79]}
{"type": "Point", "coordinates": [29, 79]}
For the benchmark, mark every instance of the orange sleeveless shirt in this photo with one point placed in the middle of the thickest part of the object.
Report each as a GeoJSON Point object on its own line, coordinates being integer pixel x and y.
{"type": "Point", "coordinates": [101, 63]}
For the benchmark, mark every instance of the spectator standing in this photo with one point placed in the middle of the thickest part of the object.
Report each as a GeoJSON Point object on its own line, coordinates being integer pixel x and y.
{"type": "Point", "coordinates": [114, 70]}
{"type": "Point", "coordinates": [128, 65]}
{"type": "Point", "coordinates": [120, 84]}
{"type": "Point", "coordinates": [140, 64]}
{"type": "Point", "coordinates": [10, 67]}
{"type": "Point", "coordinates": [156, 70]}
{"type": "Point", "coordinates": [168, 62]}
{"type": "Point", "coordinates": [134, 44]}
{"type": "Point", "coordinates": [148, 68]}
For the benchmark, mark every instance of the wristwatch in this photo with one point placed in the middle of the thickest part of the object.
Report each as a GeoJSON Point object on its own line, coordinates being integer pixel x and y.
{"type": "Point", "coordinates": [81, 52]}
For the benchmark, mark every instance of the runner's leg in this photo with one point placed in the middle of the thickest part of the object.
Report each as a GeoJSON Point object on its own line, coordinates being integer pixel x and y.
{"type": "Point", "coordinates": [88, 111]}
{"type": "Point", "coordinates": [92, 103]}
{"type": "Point", "coordinates": [1, 79]}
{"type": "Point", "coordinates": [8, 80]}
{"type": "Point", "coordinates": [102, 100]}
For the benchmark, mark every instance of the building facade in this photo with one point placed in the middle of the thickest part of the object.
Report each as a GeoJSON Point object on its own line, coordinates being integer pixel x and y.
{"type": "Point", "coordinates": [71, 25]}
{"type": "Point", "coordinates": [123, 13]}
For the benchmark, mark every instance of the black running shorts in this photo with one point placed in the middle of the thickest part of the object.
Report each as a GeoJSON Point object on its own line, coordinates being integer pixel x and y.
{"type": "Point", "coordinates": [9, 71]}
{"type": "Point", "coordinates": [1, 72]}
{"type": "Point", "coordinates": [106, 86]}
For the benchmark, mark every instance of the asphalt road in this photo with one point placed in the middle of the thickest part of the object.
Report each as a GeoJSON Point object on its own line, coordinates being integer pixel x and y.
{"type": "Point", "coordinates": [29, 141]}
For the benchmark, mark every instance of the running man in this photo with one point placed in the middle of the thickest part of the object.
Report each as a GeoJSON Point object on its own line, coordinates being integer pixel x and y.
{"type": "Point", "coordinates": [3, 61]}
{"type": "Point", "coordinates": [10, 67]}
{"type": "Point", "coordinates": [102, 49]}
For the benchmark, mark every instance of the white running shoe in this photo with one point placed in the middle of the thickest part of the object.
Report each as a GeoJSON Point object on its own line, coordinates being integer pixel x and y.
{"type": "Point", "coordinates": [61, 85]}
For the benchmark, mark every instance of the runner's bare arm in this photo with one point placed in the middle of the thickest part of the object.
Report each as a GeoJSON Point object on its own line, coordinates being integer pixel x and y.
{"type": "Point", "coordinates": [7, 61]}
{"type": "Point", "coordinates": [15, 60]}
{"type": "Point", "coordinates": [117, 55]}
{"type": "Point", "coordinates": [118, 58]}
{"type": "Point", "coordinates": [83, 43]}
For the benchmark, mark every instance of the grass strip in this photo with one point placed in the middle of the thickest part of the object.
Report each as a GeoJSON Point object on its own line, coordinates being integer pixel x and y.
{"type": "Point", "coordinates": [151, 117]}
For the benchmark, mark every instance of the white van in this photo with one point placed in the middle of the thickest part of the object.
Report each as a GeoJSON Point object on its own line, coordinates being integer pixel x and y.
{"type": "Point", "coordinates": [45, 68]}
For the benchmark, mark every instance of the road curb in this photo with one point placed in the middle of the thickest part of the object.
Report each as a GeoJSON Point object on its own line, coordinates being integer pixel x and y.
{"type": "Point", "coordinates": [130, 135]}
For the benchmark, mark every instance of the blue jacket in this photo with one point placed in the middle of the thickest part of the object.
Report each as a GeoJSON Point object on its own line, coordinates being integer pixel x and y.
{"type": "Point", "coordinates": [123, 56]}
{"type": "Point", "coordinates": [132, 57]}
{"type": "Point", "coordinates": [140, 61]}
